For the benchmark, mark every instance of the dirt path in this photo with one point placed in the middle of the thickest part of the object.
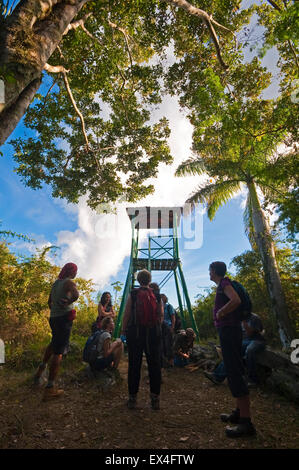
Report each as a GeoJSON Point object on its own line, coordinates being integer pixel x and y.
{"type": "Point", "coordinates": [87, 418]}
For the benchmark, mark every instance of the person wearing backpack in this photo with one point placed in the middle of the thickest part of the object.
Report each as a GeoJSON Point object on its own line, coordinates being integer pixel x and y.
{"type": "Point", "coordinates": [99, 352]}
{"type": "Point", "coordinates": [227, 315]}
{"type": "Point", "coordinates": [62, 314]}
{"type": "Point", "coordinates": [142, 328]}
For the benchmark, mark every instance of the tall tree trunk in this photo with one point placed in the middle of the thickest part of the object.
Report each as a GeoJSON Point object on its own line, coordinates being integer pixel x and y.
{"type": "Point", "coordinates": [266, 250]}
{"type": "Point", "coordinates": [29, 37]}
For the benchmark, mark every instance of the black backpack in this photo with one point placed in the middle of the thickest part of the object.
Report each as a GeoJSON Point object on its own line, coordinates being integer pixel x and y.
{"type": "Point", "coordinates": [90, 352]}
{"type": "Point", "coordinates": [244, 310]}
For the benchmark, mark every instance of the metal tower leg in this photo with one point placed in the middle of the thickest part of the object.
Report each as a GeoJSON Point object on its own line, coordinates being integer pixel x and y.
{"type": "Point", "coordinates": [185, 290]}
{"type": "Point", "coordinates": [179, 298]}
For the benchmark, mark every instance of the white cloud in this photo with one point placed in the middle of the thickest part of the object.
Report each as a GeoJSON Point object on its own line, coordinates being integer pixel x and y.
{"type": "Point", "coordinates": [97, 258]}
{"type": "Point", "coordinates": [98, 251]}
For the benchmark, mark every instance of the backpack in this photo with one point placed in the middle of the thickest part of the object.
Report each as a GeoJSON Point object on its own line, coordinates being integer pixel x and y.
{"type": "Point", "coordinates": [144, 307]}
{"type": "Point", "coordinates": [244, 310]}
{"type": "Point", "coordinates": [90, 352]}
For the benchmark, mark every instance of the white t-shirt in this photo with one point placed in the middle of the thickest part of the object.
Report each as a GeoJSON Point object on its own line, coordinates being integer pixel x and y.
{"type": "Point", "coordinates": [100, 346]}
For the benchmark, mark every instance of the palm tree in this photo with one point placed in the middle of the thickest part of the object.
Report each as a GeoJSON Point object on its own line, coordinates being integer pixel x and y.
{"type": "Point", "coordinates": [228, 177]}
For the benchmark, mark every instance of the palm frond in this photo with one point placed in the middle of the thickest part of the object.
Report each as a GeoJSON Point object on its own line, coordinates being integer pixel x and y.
{"type": "Point", "coordinates": [192, 166]}
{"type": "Point", "coordinates": [215, 195]}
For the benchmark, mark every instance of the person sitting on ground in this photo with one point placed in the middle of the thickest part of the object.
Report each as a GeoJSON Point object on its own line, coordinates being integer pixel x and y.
{"type": "Point", "coordinates": [168, 331]}
{"type": "Point", "coordinates": [105, 309]}
{"type": "Point", "coordinates": [63, 294]}
{"type": "Point", "coordinates": [252, 343]}
{"type": "Point", "coordinates": [109, 354]}
{"type": "Point", "coordinates": [183, 346]}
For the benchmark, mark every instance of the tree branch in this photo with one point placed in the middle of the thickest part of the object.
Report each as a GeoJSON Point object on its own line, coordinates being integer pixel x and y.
{"type": "Point", "coordinates": [224, 29]}
{"type": "Point", "coordinates": [77, 24]}
{"type": "Point", "coordinates": [207, 19]}
{"type": "Point", "coordinates": [114, 26]}
{"type": "Point", "coordinates": [69, 91]}
{"type": "Point", "coordinates": [277, 7]}
{"type": "Point", "coordinates": [55, 68]}
{"type": "Point", "coordinates": [274, 5]}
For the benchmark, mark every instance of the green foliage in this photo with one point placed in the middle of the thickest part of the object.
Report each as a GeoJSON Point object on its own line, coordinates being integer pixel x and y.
{"type": "Point", "coordinates": [115, 86]}
{"type": "Point", "coordinates": [203, 314]}
{"type": "Point", "coordinates": [249, 272]}
{"type": "Point", "coordinates": [25, 287]}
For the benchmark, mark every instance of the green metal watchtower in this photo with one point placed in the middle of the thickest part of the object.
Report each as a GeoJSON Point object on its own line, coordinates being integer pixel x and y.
{"type": "Point", "coordinates": [161, 254]}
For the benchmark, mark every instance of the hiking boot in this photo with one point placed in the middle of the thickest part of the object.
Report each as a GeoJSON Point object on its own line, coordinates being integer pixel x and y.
{"type": "Point", "coordinates": [252, 385]}
{"type": "Point", "coordinates": [233, 417]}
{"type": "Point", "coordinates": [155, 401]}
{"type": "Point", "coordinates": [51, 393]}
{"type": "Point", "coordinates": [212, 378]}
{"type": "Point", "coordinates": [132, 402]}
{"type": "Point", "coordinates": [241, 430]}
{"type": "Point", "coordinates": [40, 376]}
{"type": "Point", "coordinates": [39, 381]}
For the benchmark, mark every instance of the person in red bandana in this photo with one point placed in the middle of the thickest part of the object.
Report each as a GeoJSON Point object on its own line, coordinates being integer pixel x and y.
{"type": "Point", "coordinates": [63, 294]}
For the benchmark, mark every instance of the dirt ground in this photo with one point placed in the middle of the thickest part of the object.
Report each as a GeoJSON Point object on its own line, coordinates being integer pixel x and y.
{"type": "Point", "coordinates": [88, 418]}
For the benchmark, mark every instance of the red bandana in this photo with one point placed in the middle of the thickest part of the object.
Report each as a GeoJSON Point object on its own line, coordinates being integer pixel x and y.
{"type": "Point", "coordinates": [68, 270]}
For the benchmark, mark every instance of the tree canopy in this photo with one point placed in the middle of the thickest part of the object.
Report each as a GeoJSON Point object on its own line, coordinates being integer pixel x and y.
{"type": "Point", "coordinates": [103, 71]}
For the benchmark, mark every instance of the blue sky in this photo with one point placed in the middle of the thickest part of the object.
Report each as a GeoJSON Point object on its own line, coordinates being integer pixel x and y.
{"type": "Point", "coordinates": [74, 228]}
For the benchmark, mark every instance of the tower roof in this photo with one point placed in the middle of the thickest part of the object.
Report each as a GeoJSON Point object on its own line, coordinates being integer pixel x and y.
{"type": "Point", "coordinates": [154, 217]}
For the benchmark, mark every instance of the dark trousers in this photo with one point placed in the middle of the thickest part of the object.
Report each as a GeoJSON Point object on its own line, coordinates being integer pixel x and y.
{"type": "Point", "coordinates": [231, 347]}
{"type": "Point", "coordinates": [167, 339]}
{"type": "Point", "coordinates": [147, 340]}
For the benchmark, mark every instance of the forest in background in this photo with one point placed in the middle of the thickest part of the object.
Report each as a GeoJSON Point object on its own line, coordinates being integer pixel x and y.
{"type": "Point", "coordinates": [95, 55]}
{"type": "Point", "coordinates": [26, 283]}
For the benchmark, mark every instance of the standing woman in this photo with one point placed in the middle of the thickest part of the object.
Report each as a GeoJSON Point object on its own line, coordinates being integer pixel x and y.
{"type": "Point", "coordinates": [105, 309]}
{"type": "Point", "coordinates": [62, 314]}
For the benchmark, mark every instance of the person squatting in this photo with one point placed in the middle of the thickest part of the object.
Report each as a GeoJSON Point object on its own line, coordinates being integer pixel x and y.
{"type": "Point", "coordinates": [149, 327]}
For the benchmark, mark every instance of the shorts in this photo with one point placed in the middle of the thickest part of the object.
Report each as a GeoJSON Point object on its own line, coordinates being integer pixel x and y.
{"type": "Point", "coordinates": [61, 330]}
{"type": "Point", "coordinates": [103, 362]}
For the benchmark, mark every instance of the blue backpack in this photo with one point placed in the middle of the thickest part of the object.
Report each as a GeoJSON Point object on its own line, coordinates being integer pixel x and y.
{"type": "Point", "coordinates": [90, 352]}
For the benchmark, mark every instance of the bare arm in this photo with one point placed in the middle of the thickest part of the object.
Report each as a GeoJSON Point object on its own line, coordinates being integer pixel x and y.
{"type": "Point", "coordinates": [233, 303]}
{"type": "Point", "coordinates": [108, 348]}
{"type": "Point", "coordinates": [112, 313]}
{"type": "Point", "coordinates": [100, 309]}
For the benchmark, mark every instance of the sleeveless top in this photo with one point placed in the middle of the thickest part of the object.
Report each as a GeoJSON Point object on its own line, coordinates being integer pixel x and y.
{"type": "Point", "coordinates": [58, 309]}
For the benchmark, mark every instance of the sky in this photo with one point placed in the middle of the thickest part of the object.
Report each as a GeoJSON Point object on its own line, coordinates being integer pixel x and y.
{"type": "Point", "coordinates": [84, 237]}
